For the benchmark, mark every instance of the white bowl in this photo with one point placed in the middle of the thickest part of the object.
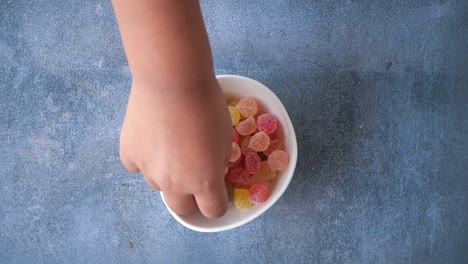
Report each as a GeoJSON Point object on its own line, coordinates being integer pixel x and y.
{"type": "Point", "coordinates": [234, 86]}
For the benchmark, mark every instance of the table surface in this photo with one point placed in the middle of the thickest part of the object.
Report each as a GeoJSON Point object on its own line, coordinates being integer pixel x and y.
{"type": "Point", "coordinates": [377, 92]}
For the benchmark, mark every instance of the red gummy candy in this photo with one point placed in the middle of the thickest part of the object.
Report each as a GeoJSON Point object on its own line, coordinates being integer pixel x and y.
{"type": "Point", "coordinates": [275, 144]}
{"type": "Point", "coordinates": [259, 141]}
{"type": "Point", "coordinates": [267, 123]}
{"type": "Point", "coordinates": [258, 193]}
{"type": "Point", "coordinates": [247, 126]}
{"type": "Point", "coordinates": [239, 176]}
{"type": "Point", "coordinates": [236, 163]}
{"type": "Point", "coordinates": [278, 160]}
{"type": "Point", "coordinates": [235, 152]}
{"type": "Point", "coordinates": [235, 135]}
{"type": "Point", "coordinates": [252, 162]}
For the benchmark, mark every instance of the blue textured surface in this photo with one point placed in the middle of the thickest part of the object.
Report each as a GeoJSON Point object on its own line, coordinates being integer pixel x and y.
{"type": "Point", "coordinates": [377, 91]}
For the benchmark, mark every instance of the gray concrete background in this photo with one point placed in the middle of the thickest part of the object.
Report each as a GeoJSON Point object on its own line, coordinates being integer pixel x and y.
{"type": "Point", "coordinates": [377, 91]}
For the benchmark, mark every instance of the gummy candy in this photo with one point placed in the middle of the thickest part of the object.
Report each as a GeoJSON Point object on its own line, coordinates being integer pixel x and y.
{"type": "Point", "coordinates": [258, 193]}
{"type": "Point", "coordinates": [245, 145]}
{"type": "Point", "coordinates": [239, 176]}
{"type": "Point", "coordinates": [267, 123]}
{"type": "Point", "coordinates": [241, 198]}
{"type": "Point", "coordinates": [259, 141]}
{"type": "Point", "coordinates": [252, 162]}
{"type": "Point", "coordinates": [278, 160]}
{"type": "Point", "coordinates": [236, 163]}
{"type": "Point", "coordinates": [247, 126]}
{"type": "Point", "coordinates": [257, 179]}
{"type": "Point", "coordinates": [247, 107]}
{"type": "Point", "coordinates": [235, 135]}
{"type": "Point", "coordinates": [265, 171]}
{"type": "Point", "coordinates": [235, 153]}
{"type": "Point", "coordinates": [235, 116]}
{"type": "Point", "coordinates": [275, 144]}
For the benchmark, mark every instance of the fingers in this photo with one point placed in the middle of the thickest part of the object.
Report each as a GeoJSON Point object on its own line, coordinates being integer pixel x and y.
{"type": "Point", "coordinates": [213, 202]}
{"type": "Point", "coordinates": [180, 203]}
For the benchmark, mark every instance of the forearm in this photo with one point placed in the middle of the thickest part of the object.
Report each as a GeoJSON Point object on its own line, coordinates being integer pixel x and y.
{"type": "Point", "coordinates": [166, 43]}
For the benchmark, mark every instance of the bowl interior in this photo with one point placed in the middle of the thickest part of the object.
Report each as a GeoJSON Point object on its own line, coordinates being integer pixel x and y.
{"type": "Point", "coordinates": [238, 87]}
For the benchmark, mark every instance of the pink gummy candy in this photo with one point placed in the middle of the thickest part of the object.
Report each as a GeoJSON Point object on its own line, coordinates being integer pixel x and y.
{"type": "Point", "coordinates": [267, 123]}
{"type": "Point", "coordinates": [235, 153]}
{"type": "Point", "coordinates": [259, 141]}
{"type": "Point", "coordinates": [245, 145]}
{"type": "Point", "coordinates": [235, 135]}
{"type": "Point", "coordinates": [236, 163]}
{"type": "Point", "coordinates": [247, 126]}
{"type": "Point", "coordinates": [278, 160]}
{"type": "Point", "coordinates": [258, 193]}
{"type": "Point", "coordinates": [247, 106]}
{"type": "Point", "coordinates": [239, 176]}
{"type": "Point", "coordinates": [252, 162]}
{"type": "Point", "coordinates": [275, 144]}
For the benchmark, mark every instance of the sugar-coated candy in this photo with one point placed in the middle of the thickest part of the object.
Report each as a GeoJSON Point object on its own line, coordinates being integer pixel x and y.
{"type": "Point", "coordinates": [252, 162]}
{"type": "Point", "coordinates": [245, 145]}
{"type": "Point", "coordinates": [265, 171]}
{"type": "Point", "coordinates": [239, 176]}
{"type": "Point", "coordinates": [247, 126]}
{"type": "Point", "coordinates": [267, 123]}
{"type": "Point", "coordinates": [241, 198]}
{"type": "Point", "coordinates": [278, 160]}
{"type": "Point", "coordinates": [235, 116]}
{"type": "Point", "coordinates": [235, 135]}
{"type": "Point", "coordinates": [258, 193]}
{"type": "Point", "coordinates": [275, 144]}
{"type": "Point", "coordinates": [257, 179]}
{"type": "Point", "coordinates": [259, 141]}
{"type": "Point", "coordinates": [239, 162]}
{"type": "Point", "coordinates": [235, 152]}
{"type": "Point", "coordinates": [247, 106]}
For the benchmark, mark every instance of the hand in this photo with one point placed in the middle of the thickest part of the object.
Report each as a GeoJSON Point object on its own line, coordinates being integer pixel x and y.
{"type": "Point", "coordinates": [180, 139]}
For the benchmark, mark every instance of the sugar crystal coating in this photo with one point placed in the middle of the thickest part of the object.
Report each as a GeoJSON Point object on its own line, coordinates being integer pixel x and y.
{"type": "Point", "coordinates": [252, 162]}
{"type": "Point", "coordinates": [267, 123]}
{"type": "Point", "coordinates": [275, 144]}
{"type": "Point", "coordinates": [278, 160]}
{"type": "Point", "coordinates": [247, 106]}
{"type": "Point", "coordinates": [241, 198]}
{"type": "Point", "coordinates": [239, 176]}
{"type": "Point", "coordinates": [247, 126]}
{"type": "Point", "coordinates": [259, 141]}
{"type": "Point", "coordinates": [235, 152]}
{"type": "Point", "coordinates": [258, 193]}
{"type": "Point", "coordinates": [235, 116]}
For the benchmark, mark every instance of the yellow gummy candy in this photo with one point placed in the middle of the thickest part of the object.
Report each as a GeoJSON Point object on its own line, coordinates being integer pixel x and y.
{"type": "Point", "coordinates": [241, 198]}
{"type": "Point", "coordinates": [235, 115]}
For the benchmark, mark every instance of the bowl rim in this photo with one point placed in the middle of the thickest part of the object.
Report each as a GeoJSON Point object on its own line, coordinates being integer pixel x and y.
{"type": "Point", "coordinates": [293, 162]}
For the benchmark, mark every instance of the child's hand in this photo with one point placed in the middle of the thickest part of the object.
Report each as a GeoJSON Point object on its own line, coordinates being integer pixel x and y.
{"type": "Point", "coordinates": [181, 141]}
